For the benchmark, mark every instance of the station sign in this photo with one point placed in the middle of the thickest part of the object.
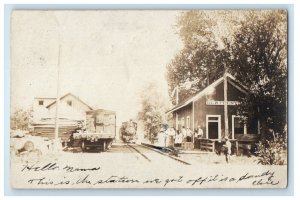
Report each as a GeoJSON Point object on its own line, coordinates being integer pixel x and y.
{"type": "Point", "coordinates": [220, 103]}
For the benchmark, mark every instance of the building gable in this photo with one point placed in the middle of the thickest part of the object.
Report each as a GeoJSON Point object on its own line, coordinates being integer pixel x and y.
{"type": "Point", "coordinates": [233, 94]}
{"type": "Point", "coordinates": [44, 102]}
{"type": "Point", "coordinates": [71, 100]}
{"type": "Point", "coordinates": [209, 90]}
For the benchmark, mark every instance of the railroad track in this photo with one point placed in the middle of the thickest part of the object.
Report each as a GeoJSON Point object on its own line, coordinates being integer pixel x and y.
{"type": "Point", "coordinates": [162, 151]}
{"type": "Point", "coordinates": [139, 152]}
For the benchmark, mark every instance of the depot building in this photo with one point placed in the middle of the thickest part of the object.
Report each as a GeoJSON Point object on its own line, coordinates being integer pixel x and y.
{"type": "Point", "coordinates": [206, 109]}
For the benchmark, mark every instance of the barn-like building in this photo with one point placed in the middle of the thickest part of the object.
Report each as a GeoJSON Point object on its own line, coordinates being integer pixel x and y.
{"type": "Point", "coordinates": [72, 113]}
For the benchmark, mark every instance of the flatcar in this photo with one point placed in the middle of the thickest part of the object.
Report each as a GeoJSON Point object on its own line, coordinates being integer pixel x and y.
{"type": "Point", "coordinates": [99, 133]}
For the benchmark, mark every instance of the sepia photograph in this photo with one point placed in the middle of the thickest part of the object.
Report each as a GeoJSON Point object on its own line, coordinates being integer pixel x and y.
{"type": "Point", "coordinates": [148, 99]}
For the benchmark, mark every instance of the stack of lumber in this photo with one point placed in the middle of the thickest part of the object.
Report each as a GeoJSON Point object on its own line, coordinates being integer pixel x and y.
{"type": "Point", "coordinates": [46, 128]}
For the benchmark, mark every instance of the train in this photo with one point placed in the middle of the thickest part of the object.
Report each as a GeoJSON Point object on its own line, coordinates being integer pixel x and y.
{"type": "Point", "coordinates": [128, 131]}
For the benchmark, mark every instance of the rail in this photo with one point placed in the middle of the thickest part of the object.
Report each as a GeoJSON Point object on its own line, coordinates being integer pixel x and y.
{"type": "Point", "coordinates": [139, 152]}
{"type": "Point", "coordinates": [162, 151]}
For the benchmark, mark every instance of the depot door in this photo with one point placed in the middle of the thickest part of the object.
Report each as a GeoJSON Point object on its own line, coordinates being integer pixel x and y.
{"type": "Point", "coordinates": [213, 126]}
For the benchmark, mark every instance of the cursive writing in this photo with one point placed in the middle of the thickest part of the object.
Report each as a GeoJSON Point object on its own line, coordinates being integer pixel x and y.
{"type": "Point", "coordinates": [117, 179]}
{"type": "Point", "coordinates": [265, 178]}
{"type": "Point", "coordinates": [54, 166]}
{"type": "Point", "coordinates": [76, 169]}
{"type": "Point", "coordinates": [47, 167]}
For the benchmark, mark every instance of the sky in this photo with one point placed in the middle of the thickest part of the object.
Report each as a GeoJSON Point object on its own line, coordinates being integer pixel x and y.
{"type": "Point", "coordinates": [104, 57]}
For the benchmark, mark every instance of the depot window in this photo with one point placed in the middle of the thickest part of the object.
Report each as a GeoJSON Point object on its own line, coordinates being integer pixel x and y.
{"type": "Point", "coordinates": [69, 103]}
{"type": "Point", "coordinates": [41, 103]}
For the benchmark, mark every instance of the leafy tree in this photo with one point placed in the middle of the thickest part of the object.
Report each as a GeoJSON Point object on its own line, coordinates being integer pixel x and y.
{"type": "Point", "coordinates": [252, 45]}
{"type": "Point", "coordinates": [258, 60]}
{"type": "Point", "coordinates": [201, 61]}
{"type": "Point", "coordinates": [152, 111]}
{"type": "Point", "coordinates": [20, 119]}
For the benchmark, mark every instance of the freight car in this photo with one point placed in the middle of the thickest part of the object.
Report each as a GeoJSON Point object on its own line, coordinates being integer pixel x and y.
{"type": "Point", "coordinates": [128, 131]}
{"type": "Point", "coordinates": [99, 133]}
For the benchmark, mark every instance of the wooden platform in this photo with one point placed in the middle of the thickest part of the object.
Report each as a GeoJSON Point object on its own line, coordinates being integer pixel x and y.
{"type": "Point", "coordinates": [210, 145]}
{"type": "Point", "coordinates": [188, 145]}
{"type": "Point", "coordinates": [207, 145]}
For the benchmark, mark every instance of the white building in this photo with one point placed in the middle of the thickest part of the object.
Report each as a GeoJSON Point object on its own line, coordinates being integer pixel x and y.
{"type": "Point", "coordinates": [72, 112]}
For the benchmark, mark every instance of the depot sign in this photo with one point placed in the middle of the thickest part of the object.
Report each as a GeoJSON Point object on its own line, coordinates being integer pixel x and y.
{"type": "Point", "coordinates": [221, 103]}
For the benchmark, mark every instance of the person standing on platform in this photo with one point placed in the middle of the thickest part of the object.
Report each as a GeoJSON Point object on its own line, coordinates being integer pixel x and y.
{"type": "Point", "coordinates": [198, 136]}
{"type": "Point", "coordinates": [227, 146]}
{"type": "Point", "coordinates": [189, 135]}
{"type": "Point", "coordinates": [171, 136]}
{"type": "Point", "coordinates": [183, 133]}
{"type": "Point", "coordinates": [178, 139]}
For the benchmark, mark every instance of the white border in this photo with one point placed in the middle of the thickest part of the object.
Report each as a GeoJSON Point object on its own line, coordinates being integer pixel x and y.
{"type": "Point", "coordinates": [295, 95]}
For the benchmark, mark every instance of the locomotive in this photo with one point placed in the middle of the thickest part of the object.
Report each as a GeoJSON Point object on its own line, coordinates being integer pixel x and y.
{"type": "Point", "coordinates": [128, 131]}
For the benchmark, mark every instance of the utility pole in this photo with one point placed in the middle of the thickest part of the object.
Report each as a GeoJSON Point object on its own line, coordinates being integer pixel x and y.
{"type": "Point", "coordinates": [225, 103]}
{"type": "Point", "coordinates": [57, 97]}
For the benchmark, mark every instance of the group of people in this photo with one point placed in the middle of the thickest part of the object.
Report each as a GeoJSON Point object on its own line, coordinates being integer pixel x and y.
{"type": "Point", "coordinates": [175, 138]}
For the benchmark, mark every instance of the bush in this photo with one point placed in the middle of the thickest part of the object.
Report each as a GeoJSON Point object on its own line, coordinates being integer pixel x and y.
{"type": "Point", "coordinates": [272, 152]}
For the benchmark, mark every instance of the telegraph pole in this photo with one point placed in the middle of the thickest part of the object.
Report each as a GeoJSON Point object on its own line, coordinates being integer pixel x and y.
{"type": "Point", "coordinates": [57, 97]}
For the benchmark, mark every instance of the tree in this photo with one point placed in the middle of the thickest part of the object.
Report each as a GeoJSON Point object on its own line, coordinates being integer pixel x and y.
{"type": "Point", "coordinates": [20, 119]}
{"type": "Point", "coordinates": [259, 60]}
{"type": "Point", "coordinates": [252, 45]}
{"type": "Point", "coordinates": [152, 112]}
{"type": "Point", "coordinates": [201, 61]}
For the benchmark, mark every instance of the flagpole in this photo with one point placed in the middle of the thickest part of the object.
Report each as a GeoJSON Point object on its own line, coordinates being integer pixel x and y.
{"type": "Point", "coordinates": [177, 95]}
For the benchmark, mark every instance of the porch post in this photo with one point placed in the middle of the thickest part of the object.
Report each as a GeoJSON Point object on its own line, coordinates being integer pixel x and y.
{"type": "Point", "coordinates": [225, 104]}
{"type": "Point", "coordinates": [193, 121]}
{"type": "Point", "coordinates": [176, 121]}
